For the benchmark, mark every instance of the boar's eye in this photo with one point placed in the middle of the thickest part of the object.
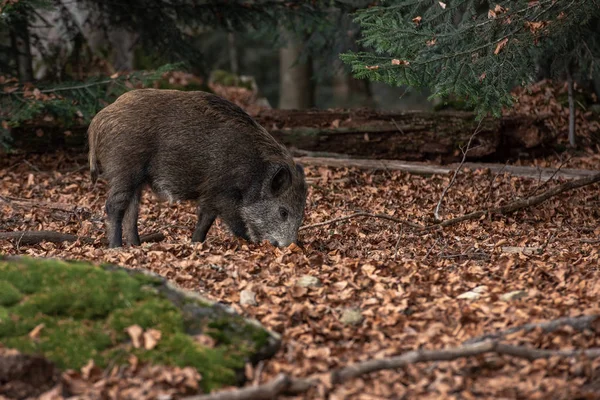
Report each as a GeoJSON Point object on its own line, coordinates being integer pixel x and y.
{"type": "Point", "coordinates": [284, 213]}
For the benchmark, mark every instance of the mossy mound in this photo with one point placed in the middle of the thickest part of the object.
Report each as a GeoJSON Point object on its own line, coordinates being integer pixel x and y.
{"type": "Point", "coordinates": [81, 312]}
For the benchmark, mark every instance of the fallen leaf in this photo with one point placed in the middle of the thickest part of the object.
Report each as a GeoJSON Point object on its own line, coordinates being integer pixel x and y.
{"type": "Point", "coordinates": [35, 332]}
{"type": "Point", "coordinates": [151, 338]}
{"type": "Point", "coordinates": [205, 340]}
{"type": "Point", "coordinates": [135, 333]}
{"type": "Point", "coordinates": [500, 45]}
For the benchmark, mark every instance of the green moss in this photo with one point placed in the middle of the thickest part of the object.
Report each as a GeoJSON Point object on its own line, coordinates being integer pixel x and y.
{"type": "Point", "coordinates": [82, 312]}
{"type": "Point", "coordinates": [9, 294]}
{"type": "Point", "coordinates": [226, 78]}
{"type": "Point", "coordinates": [181, 350]}
{"type": "Point", "coordinates": [152, 313]}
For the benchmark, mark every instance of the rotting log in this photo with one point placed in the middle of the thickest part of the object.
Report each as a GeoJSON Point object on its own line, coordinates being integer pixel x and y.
{"type": "Point", "coordinates": [411, 135]}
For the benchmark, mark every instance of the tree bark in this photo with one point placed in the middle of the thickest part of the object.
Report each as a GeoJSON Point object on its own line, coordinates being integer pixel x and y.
{"type": "Point", "coordinates": [22, 48]}
{"type": "Point", "coordinates": [296, 88]}
{"type": "Point", "coordinates": [233, 54]}
{"type": "Point", "coordinates": [410, 136]}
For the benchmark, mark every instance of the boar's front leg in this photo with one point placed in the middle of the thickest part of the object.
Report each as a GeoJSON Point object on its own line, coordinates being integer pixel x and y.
{"type": "Point", "coordinates": [131, 217]}
{"type": "Point", "coordinates": [206, 217]}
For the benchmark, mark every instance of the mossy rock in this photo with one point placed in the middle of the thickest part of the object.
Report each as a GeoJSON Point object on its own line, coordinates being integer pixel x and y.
{"type": "Point", "coordinates": [85, 310]}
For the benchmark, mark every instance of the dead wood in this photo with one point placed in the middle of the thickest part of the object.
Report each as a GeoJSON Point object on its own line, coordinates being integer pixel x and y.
{"type": "Point", "coordinates": [361, 215]}
{"type": "Point", "coordinates": [295, 386]}
{"type": "Point", "coordinates": [35, 237]}
{"type": "Point", "coordinates": [268, 390]}
{"type": "Point", "coordinates": [408, 135]}
{"type": "Point", "coordinates": [417, 168]}
{"type": "Point", "coordinates": [505, 209]}
{"type": "Point", "coordinates": [27, 203]}
{"type": "Point", "coordinates": [580, 323]}
{"type": "Point", "coordinates": [436, 212]}
{"type": "Point", "coordinates": [522, 203]}
{"type": "Point", "coordinates": [412, 135]}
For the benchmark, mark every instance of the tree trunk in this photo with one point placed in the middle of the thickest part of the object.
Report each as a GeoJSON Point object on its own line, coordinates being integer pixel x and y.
{"type": "Point", "coordinates": [122, 42]}
{"type": "Point", "coordinates": [296, 89]}
{"type": "Point", "coordinates": [233, 54]}
{"type": "Point", "coordinates": [351, 92]}
{"type": "Point", "coordinates": [22, 48]}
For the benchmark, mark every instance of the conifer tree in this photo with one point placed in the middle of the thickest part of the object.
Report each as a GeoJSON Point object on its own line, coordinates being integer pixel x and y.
{"type": "Point", "coordinates": [476, 50]}
{"type": "Point", "coordinates": [167, 28]}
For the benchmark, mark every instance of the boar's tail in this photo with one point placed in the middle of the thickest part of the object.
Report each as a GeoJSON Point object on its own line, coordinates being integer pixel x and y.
{"type": "Point", "coordinates": [92, 138]}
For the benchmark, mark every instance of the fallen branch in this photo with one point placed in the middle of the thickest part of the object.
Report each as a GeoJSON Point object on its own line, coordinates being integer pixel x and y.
{"type": "Point", "coordinates": [578, 323]}
{"type": "Point", "coordinates": [269, 390]}
{"type": "Point", "coordinates": [294, 386]}
{"type": "Point", "coordinates": [419, 168]}
{"type": "Point", "coordinates": [360, 215]}
{"type": "Point", "coordinates": [35, 237]}
{"type": "Point", "coordinates": [27, 203]}
{"type": "Point", "coordinates": [505, 209]}
{"type": "Point", "coordinates": [520, 204]}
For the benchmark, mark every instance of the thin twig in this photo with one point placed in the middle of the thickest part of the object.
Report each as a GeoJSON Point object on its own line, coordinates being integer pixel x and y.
{"type": "Point", "coordinates": [257, 373]}
{"type": "Point", "coordinates": [539, 186]}
{"type": "Point", "coordinates": [64, 88]}
{"type": "Point", "coordinates": [269, 390]}
{"type": "Point", "coordinates": [398, 242]}
{"type": "Point", "coordinates": [19, 242]}
{"type": "Point", "coordinates": [431, 249]}
{"type": "Point", "coordinates": [436, 213]}
{"type": "Point", "coordinates": [490, 187]}
{"type": "Point", "coordinates": [579, 323]}
{"type": "Point", "coordinates": [359, 215]}
{"type": "Point", "coordinates": [397, 126]}
{"type": "Point", "coordinates": [32, 166]}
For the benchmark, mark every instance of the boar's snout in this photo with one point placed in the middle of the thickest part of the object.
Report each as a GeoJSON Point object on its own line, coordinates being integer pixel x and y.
{"type": "Point", "coordinates": [277, 216]}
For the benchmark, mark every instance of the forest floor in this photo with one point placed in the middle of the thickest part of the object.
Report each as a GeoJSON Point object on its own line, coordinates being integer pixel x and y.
{"type": "Point", "coordinates": [381, 288]}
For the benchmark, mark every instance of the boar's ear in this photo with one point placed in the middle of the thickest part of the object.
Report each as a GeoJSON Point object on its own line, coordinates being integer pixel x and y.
{"type": "Point", "coordinates": [300, 169]}
{"type": "Point", "coordinates": [281, 180]}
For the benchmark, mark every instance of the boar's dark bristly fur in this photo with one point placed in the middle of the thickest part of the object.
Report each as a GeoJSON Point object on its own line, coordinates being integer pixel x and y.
{"type": "Point", "coordinates": [195, 146]}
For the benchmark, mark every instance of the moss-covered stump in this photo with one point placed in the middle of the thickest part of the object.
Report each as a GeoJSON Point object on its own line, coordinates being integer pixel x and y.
{"type": "Point", "coordinates": [71, 312]}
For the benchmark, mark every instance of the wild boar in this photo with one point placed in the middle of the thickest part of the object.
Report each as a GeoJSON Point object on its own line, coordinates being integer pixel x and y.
{"type": "Point", "coordinates": [195, 146]}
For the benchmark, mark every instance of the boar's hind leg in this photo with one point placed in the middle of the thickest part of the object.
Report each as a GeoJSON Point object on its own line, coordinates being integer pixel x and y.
{"type": "Point", "coordinates": [205, 221]}
{"type": "Point", "coordinates": [131, 217]}
{"type": "Point", "coordinates": [116, 205]}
